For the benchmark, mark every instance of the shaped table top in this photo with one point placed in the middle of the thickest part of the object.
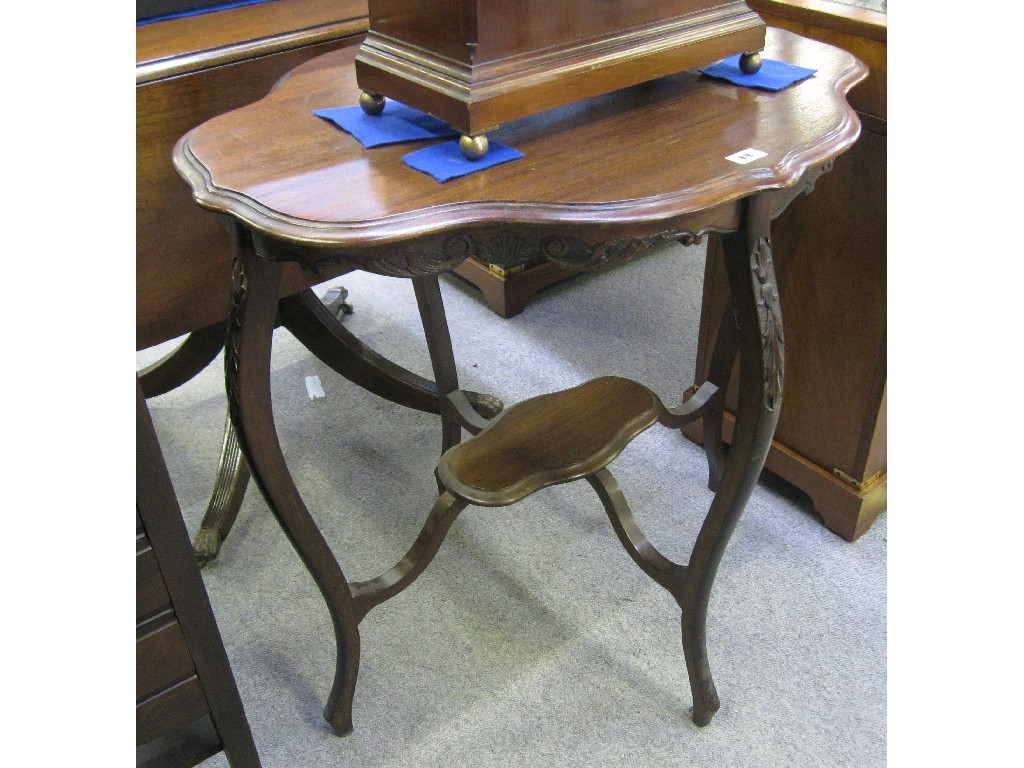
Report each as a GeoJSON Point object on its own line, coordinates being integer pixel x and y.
{"type": "Point", "coordinates": [643, 159]}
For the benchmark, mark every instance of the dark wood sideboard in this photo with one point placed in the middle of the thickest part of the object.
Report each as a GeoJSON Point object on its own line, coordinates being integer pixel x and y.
{"type": "Point", "coordinates": [188, 70]}
{"type": "Point", "coordinates": [830, 252]}
{"type": "Point", "coordinates": [187, 704]}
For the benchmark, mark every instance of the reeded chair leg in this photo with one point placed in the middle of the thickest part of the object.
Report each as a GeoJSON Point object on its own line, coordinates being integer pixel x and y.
{"type": "Point", "coordinates": [226, 500]}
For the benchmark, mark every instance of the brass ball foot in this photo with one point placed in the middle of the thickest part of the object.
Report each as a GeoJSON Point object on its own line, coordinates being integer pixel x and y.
{"type": "Point", "coordinates": [473, 147]}
{"type": "Point", "coordinates": [750, 62]}
{"type": "Point", "coordinates": [371, 103]}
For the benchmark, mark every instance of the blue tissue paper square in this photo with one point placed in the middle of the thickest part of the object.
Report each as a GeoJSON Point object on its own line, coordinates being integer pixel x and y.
{"type": "Point", "coordinates": [445, 161]}
{"type": "Point", "coordinates": [396, 124]}
{"type": "Point", "coordinates": [772, 76]}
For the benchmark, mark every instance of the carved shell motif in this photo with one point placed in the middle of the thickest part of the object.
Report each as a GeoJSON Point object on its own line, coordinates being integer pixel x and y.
{"type": "Point", "coordinates": [506, 249]}
{"type": "Point", "coordinates": [421, 258]}
{"type": "Point", "coordinates": [578, 254]}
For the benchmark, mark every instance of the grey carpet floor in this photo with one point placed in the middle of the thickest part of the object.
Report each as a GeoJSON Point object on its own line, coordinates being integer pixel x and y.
{"type": "Point", "coordinates": [532, 640]}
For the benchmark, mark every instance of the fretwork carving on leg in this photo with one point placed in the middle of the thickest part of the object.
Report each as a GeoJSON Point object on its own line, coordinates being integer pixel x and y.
{"type": "Point", "coordinates": [759, 341]}
{"type": "Point", "coordinates": [247, 371]}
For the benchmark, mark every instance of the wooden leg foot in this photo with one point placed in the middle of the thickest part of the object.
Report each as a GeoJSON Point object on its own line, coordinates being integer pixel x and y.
{"type": "Point", "coordinates": [702, 686]}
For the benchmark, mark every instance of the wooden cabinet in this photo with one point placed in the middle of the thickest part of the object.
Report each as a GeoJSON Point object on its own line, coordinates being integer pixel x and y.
{"type": "Point", "coordinates": [477, 64]}
{"type": "Point", "coordinates": [830, 254]}
{"type": "Point", "coordinates": [187, 71]}
{"type": "Point", "coordinates": [186, 703]}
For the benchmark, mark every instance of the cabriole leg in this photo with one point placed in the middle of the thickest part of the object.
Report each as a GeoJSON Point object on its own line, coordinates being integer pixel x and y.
{"type": "Point", "coordinates": [247, 373]}
{"type": "Point", "coordinates": [760, 344]}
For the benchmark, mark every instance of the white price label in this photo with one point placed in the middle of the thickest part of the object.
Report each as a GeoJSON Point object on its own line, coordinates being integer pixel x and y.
{"type": "Point", "coordinates": [745, 156]}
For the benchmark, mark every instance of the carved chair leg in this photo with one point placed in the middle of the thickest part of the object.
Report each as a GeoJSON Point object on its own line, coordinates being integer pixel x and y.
{"type": "Point", "coordinates": [247, 373]}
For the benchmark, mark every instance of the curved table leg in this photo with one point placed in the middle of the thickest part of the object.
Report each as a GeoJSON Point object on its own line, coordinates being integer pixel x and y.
{"type": "Point", "coordinates": [195, 352]}
{"type": "Point", "coordinates": [247, 374]}
{"type": "Point", "coordinates": [317, 329]}
{"type": "Point", "coordinates": [719, 370]}
{"type": "Point", "coordinates": [760, 345]}
{"type": "Point", "coordinates": [306, 317]}
{"type": "Point", "coordinates": [442, 358]}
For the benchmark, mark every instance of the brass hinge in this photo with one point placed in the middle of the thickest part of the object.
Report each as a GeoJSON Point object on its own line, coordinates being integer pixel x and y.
{"type": "Point", "coordinates": [504, 273]}
{"type": "Point", "coordinates": [860, 485]}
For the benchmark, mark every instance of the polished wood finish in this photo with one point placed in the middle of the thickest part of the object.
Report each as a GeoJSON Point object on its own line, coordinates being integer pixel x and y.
{"type": "Point", "coordinates": [831, 250]}
{"type": "Point", "coordinates": [188, 70]}
{"type": "Point", "coordinates": [549, 439]}
{"type": "Point", "coordinates": [327, 202]}
{"type": "Point", "coordinates": [507, 288]}
{"type": "Point", "coordinates": [187, 705]}
{"type": "Point", "coordinates": [861, 31]}
{"type": "Point", "coordinates": [297, 190]}
{"type": "Point", "coordinates": [574, 434]}
{"type": "Point", "coordinates": [477, 64]}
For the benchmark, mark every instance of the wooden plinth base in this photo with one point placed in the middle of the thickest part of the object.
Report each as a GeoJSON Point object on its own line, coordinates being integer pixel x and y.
{"type": "Point", "coordinates": [844, 509]}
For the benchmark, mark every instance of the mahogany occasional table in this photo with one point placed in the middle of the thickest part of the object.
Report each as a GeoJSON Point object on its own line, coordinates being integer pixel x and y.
{"type": "Point", "coordinates": [602, 180]}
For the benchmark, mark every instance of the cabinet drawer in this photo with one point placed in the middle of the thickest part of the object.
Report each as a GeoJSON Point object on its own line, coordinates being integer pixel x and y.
{"type": "Point", "coordinates": [169, 711]}
{"type": "Point", "coordinates": [150, 591]}
{"type": "Point", "coordinates": [162, 658]}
